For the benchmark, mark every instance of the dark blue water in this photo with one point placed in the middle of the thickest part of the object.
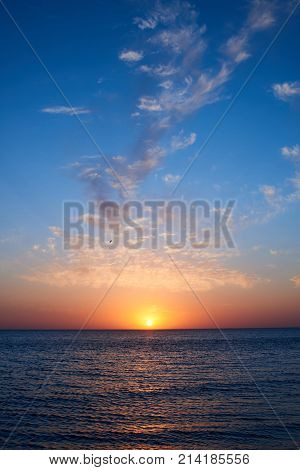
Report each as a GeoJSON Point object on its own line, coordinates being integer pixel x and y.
{"type": "Point", "coordinates": [159, 389]}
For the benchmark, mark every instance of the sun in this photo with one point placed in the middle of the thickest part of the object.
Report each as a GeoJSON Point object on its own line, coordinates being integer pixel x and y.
{"type": "Point", "coordinates": [149, 322]}
{"type": "Point", "coordinates": [148, 317]}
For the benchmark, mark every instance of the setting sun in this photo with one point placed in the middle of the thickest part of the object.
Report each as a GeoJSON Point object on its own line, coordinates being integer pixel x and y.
{"type": "Point", "coordinates": [149, 322]}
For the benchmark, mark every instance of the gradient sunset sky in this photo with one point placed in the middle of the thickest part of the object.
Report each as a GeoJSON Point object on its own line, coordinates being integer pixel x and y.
{"type": "Point", "coordinates": [148, 81]}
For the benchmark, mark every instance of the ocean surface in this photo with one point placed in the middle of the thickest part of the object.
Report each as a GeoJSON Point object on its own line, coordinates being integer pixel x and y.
{"type": "Point", "coordinates": [183, 389]}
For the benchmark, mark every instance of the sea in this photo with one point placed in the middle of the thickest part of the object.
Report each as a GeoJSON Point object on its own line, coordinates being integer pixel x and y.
{"type": "Point", "coordinates": [168, 389]}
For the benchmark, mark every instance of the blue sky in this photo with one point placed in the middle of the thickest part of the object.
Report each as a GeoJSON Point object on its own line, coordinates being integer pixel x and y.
{"type": "Point", "coordinates": [148, 81]}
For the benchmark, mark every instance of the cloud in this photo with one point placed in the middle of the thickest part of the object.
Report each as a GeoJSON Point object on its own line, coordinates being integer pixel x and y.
{"type": "Point", "coordinates": [194, 94]}
{"type": "Point", "coordinates": [90, 173]}
{"type": "Point", "coordinates": [235, 48]}
{"type": "Point", "coordinates": [148, 273]}
{"type": "Point", "coordinates": [152, 157]}
{"type": "Point", "coordinates": [286, 91]}
{"type": "Point", "coordinates": [192, 85]}
{"type": "Point", "coordinates": [179, 81]}
{"type": "Point", "coordinates": [171, 179]}
{"type": "Point", "coordinates": [184, 45]}
{"type": "Point", "coordinates": [149, 23]}
{"type": "Point", "coordinates": [256, 247]}
{"type": "Point", "coordinates": [174, 37]}
{"type": "Point", "coordinates": [124, 181]}
{"type": "Point", "coordinates": [178, 40]}
{"type": "Point", "coordinates": [275, 204]}
{"type": "Point", "coordinates": [147, 269]}
{"type": "Point", "coordinates": [278, 198]}
{"type": "Point", "coordinates": [160, 70]}
{"type": "Point", "coordinates": [166, 84]}
{"type": "Point", "coordinates": [296, 281]}
{"type": "Point", "coordinates": [295, 195]}
{"type": "Point", "coordinates": [260, 17]}
{"type": "Point", "coordinates": [90, 170]}
{"type": "Point", "coordinates": [268, 191]}
{"type": "Point", "coordinates": [149, 104]}
{"type": "Point", "coordinates": [292, 153]}
{"type": "Point", "coordinates": [161, 14]}
{"type": "Point", "coordinates": [189, 96]}
{"type": "Point", "coordinates": [56, 231]}
{"type": "Point", "coordinates": [119, 158]}
{"type": "Point", "coordinates": [130, 56]}
{"type": "Point", "coordinates": [101, 180]}
{"type": "Point", "coordinates": [67, 110]}
{"type": "Point", "coordinates": [179, 142]}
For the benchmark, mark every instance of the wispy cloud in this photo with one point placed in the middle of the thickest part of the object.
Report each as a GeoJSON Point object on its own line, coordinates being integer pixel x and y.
{"type": "Point", "coordinates": [119, 158]}
{"type": "Point", "coordinates": [235, 48]}
{"type": "Point", "coordinates": [149, 23]}
{"type": "Point", "coordinates": [96, 268]}
{"type": "Point", "coordinates": [161, 14]}
{"type": "Point", "coordinates": [295, 194]}
{"type": "Point", "coordinates": [151, 159]}
{"type": "Point", "coordinates": [179, 83]}
{"type": "Point", "coordinates": [179, 142]}
{"type": "Point", "coordinates": [56, 231]}
{"type": "Point", "coordinates": [67, 110]}
{"type": "Point", "coordinates": [261, 17]}
{"type": "Point", "coordinates": [279, 198]}
{"type": "Point", "coordinates": [131, 56]}
{"type": "Point", "coordinates": [90, 171]}
{"type": "Point", "coordinates": [193, 86]}
{"type": "Point", "coordinates": [292, 153]}
{"type": "Point", "coordinates": [166, 84]}
{"type": "Point", "coordinates": [178, 40]}
{"type": "Point", "coordinates": [286, 91]}
{"type": "Point", "coordinates": [171, 179]}
{"type": "Point", "coordinates": [100, 180]}
{"type": "Point", "coordinates": [296, 281]}
{"type": "Point", "coordinates": [160, 70]}
{"type": "Point", "coordinates": [268, 191]}
{"type": "Point", "coordinates": [149, 104]}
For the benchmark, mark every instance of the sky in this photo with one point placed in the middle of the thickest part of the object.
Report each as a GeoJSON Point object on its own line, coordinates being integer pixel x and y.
{"type": "Point", "coordinates": [118, 100]}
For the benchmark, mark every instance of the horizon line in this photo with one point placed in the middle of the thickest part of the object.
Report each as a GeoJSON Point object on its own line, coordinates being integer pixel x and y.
{"type": "Point", "coordinates": [155, 329]}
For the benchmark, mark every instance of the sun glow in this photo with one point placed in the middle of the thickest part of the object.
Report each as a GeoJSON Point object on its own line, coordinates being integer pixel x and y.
{"type": "Point", "coordinates": [152, 317]}
{"type": "Point", "coordinates": [149, 322]}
